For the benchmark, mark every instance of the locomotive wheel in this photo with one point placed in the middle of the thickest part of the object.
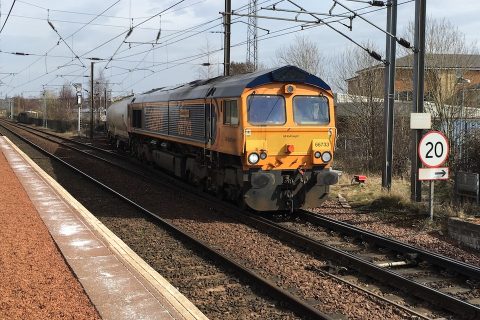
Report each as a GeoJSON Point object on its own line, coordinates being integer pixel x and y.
{"type": "Point", "coordinates": [220, 193]}
{"type": "Point", "coordinates": [240, 202]}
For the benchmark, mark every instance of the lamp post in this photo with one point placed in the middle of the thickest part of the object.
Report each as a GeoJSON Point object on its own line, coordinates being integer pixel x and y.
{"type": "Point", "coordinates": [11, 107]}
{"type": "Point", "coordinates": [78, 88]}
{"type": "Point", "coordinates": [44, 108]}
{"type": "Point", "coordinates": [91, 99]}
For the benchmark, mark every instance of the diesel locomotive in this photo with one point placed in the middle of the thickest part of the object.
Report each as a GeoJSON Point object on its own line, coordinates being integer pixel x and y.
{"type": "Point", "coordinates": [264, 139]}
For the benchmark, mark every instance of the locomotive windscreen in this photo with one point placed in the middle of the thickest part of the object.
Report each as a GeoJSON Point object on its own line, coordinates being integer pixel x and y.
{"type": "Point", "coordinates": [264, 109]}
{"type": "Point", "coordinates": [310, 110]}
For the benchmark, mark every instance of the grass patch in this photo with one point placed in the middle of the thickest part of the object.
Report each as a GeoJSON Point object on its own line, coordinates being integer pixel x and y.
{"type": "Point", "coordinates": [370, 196]}
{"type": "Point", "coordinates": [396, 204]}
{"type": "Point", "coordinates": [393, 201]}
{"type": "Point", "coordinates": [364, 195]}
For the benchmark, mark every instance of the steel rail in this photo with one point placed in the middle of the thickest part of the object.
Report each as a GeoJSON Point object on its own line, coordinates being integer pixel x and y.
{"type": "Point", "coordinates": [109, 152]}
{"type": "Point", "coordinates": [465, 269]}
{"type": "Point", "coordinates": [298, 305]}
{"type": "Point", "coordinates": [437, 298]}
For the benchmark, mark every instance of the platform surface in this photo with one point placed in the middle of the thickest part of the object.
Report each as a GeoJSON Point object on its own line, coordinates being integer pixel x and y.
{"type": "Point", "coordinates": [118, 282]}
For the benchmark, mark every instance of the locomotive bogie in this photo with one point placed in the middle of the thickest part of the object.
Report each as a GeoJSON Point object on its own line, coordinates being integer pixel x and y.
{"type": "Point", "coordinates": [287, 190]}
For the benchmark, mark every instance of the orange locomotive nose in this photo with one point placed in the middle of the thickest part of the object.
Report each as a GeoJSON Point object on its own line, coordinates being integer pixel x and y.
{"type": "Point", "coordinates": [290, 148]}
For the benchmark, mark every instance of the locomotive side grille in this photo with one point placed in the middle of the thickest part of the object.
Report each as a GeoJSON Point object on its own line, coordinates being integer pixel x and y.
{"type": "Point", "coordinates": [156, 119]}
{"type": "Point", "coordinates": [177, 121]}
{"type": "Point", "coordinates": [187, 122]}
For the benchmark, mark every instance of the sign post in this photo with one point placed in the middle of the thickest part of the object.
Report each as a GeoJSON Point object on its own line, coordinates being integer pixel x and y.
{"type": "Point", "coordinates": [78, 87]}
{"type": "Point", "coordinates": [433, 151]}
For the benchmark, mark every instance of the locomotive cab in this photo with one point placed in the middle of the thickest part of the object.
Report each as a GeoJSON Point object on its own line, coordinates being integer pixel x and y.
{"type": "Point", "coordinates": [289, 139]}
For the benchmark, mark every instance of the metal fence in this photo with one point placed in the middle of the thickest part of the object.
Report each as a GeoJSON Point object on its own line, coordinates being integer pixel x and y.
{"type": "Point", "coordinates": [467, 185]}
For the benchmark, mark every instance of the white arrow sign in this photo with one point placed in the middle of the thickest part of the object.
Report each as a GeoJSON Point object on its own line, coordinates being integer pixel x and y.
{"type": "Point", "coordinates": [433, 149]}
{"type": "Point", "coordinates": [433, 174]}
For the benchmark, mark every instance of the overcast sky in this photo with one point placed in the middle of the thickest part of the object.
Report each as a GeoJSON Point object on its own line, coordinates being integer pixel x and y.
{"type": "Point", "coordinates": [144, 64]}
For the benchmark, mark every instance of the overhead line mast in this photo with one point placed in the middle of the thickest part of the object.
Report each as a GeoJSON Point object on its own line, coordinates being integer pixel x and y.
{"type": "Point", "coordinates": [226, 46]}
{"type": "Point", "coordinates": [252, 40]}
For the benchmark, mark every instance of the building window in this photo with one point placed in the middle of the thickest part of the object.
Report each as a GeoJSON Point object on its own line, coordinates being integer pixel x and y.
{"type": "Point", "coordinates": [404, 95]}
{"type": "Point", "coordinates": [230, 112]}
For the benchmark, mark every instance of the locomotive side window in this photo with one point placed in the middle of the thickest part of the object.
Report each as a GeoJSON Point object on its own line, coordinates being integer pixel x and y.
{"type": "Point", "coordinates": [230, 112]}
{"type": "Point", "coordinates": [310, 110]}
{"type": "Point", "coordinates": [137, 118]}
{"type": "Point", "coordinates": [265, 109]}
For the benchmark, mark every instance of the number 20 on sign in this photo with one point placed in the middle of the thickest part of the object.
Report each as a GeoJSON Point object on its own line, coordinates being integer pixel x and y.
{"type": "Point", "coordinates": [433, 149]}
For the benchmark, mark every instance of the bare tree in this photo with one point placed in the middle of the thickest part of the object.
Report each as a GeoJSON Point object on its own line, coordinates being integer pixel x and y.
{"type": "Point", "coordinates": [471, 152]}
{"type": "Point", "coordinates": [360, 114]}
{"type": "Point", "coordinates": [50, 102]}
{"type": "Point", "coordinates": [67, 100]}
{"type": "Point", "coordinates": [207, 69]}
{"type": "Point", "coordinates": [302, 53]}
{"type": "Point", "coordinates": [448, 64]}
{"type": "Point", "coordinates": [240, 67]}
{"type": "Point", "coordinates": [99, 89]}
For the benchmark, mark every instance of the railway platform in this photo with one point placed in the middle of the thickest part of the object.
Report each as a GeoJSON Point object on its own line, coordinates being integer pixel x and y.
{"type": "Point", "coordinates": [118, 283]}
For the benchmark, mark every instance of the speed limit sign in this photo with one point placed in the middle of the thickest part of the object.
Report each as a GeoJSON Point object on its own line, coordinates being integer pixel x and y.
{"type": "Point", "coordinates": [433, 149]}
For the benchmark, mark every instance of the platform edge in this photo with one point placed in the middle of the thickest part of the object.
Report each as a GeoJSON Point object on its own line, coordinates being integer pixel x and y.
{"type": "Point", "coordinates": [125, 254]}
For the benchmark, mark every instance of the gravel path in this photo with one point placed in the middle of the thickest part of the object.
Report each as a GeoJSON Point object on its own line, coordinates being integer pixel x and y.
{"type": "Point", "coordinates": [35, 282]}
{"type": "Point", "coordinates": [411, 229]}
{"type": "Point", "coordinates": [290, 268]}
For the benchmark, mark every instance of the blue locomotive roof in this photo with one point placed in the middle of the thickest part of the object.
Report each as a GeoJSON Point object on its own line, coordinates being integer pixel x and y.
{"type": "Point", "coordinates": [232, 86]}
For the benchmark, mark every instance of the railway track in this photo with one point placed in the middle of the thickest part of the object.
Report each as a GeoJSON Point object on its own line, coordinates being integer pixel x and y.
{"type": "Point", "coordinates": [296, 305]}
{"type": "Point", "coordinates": [429, 276]}
{"type": "Point", "coordinates": [361, 265]}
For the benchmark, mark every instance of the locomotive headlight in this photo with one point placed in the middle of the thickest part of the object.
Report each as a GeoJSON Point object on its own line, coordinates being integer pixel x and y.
{"type": "Point", "coordinates": [317, 154]}
{"type": "Point", "coordinates": [253, 158]}
{"type": "Point", "coordinates": [326, 156]}
{"type": "Point", "coordinates": [263, 155]}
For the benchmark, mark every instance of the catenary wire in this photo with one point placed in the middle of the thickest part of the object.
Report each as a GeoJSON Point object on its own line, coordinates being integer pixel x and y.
{"type": "Point", "coordinates": [53, 47]}
{"type": "Point", "coordinates": [8, 15]}
{"type": "Point", "coordinates": [68, 63]}
{"type": "Point", "coordinates": [268, 36]}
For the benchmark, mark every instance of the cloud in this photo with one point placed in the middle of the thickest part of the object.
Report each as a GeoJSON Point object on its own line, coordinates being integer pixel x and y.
{"type": "Point", "coordinates": [28, 31]}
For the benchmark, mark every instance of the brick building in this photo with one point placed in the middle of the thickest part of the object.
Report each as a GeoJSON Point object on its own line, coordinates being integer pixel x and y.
{"type": "Point", "coordinates": [453, 77]}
